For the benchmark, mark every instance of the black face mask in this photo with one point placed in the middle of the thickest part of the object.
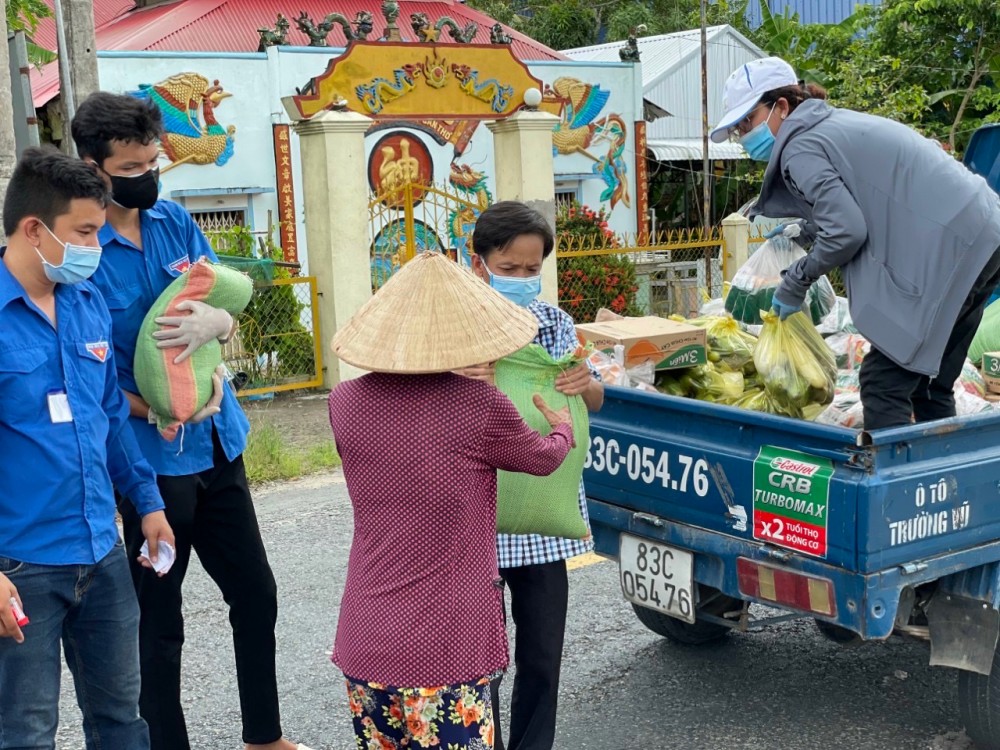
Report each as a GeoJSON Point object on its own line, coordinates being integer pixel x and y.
{"type": "Point", "coordinates": [140, 191]}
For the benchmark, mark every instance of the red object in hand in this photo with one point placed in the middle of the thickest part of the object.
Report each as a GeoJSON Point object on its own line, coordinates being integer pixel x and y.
{"type": "Point", "coordinates": [15, 608]}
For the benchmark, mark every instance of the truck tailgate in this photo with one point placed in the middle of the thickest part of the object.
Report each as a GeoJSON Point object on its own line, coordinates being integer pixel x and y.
{"type": "Point", "coordinates": [861, 502]}
{"type": "Point", "coordinates": [693, 463]}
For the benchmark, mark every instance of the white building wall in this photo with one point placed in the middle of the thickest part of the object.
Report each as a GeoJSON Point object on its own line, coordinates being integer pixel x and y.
{"type": "Point", "coordinates": [257, 82]}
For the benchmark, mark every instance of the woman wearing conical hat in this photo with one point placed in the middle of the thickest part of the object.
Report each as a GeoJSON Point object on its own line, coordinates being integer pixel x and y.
{"type": "Point", "coordinates": [421, 627]}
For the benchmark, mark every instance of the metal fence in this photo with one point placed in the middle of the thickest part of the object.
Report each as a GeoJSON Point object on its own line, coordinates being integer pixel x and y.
{"type": "Point", "coordinates": [277, 346]}
{"type": "Point", "coordinates": [666, 274]}
{"type": "Point", "coordinates": [415, 218]}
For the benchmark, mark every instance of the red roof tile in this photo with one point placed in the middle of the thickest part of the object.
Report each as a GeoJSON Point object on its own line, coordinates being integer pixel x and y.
{"type": "Point", "coordinates": [104, 11]}
{"type": "Point", "coordinates": [231, 26]}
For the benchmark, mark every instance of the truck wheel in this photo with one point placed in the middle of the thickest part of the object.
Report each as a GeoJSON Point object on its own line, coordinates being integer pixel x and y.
{"type": "Point", "coordinates": [979, 705]}
{"type": "Point", "coordinates": [685, 633]}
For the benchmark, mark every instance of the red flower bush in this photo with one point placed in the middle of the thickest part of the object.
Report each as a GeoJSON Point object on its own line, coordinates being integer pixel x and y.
{"type": "Point", "coordinates": [590, 282]}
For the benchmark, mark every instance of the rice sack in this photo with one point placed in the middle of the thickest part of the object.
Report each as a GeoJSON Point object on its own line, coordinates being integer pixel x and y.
{"type": "Point", "coordinates": [177, 392]}
{"type": "Point", "coordinates": [550, 505]}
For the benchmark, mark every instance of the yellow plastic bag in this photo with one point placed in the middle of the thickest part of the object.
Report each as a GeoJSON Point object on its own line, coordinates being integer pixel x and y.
{"type": "Point", "coordinates": [728, 344]}
{"type": "Point", "coordinates": [795, 365]}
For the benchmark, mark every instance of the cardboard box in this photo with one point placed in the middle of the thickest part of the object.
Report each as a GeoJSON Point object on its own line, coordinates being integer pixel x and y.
{"type": "Point", "coordinates": [991, 371]}
{"type": "Point", "coordinates": [668, 344]}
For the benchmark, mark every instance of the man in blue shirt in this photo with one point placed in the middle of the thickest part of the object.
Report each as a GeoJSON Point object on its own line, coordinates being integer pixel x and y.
{"type": "Point", "coordinates": [147, 244]}
{"type": "Point", "coordinates": [66, 440]}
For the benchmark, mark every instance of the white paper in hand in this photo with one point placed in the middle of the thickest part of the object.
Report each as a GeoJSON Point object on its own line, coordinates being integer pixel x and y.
{"type": "Point", "coordinates": [165, 557]}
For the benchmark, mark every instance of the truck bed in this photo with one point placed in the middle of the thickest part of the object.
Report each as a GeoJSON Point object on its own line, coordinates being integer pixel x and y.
{"type": "Point", "coordinates": [911, 502]}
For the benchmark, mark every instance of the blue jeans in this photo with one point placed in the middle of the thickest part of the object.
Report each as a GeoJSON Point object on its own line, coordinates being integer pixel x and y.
{"type": "Point", "coordinates": [92, 610]}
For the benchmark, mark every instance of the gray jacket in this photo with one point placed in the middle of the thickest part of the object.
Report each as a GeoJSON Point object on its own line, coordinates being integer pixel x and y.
{"type": "Point", "coordinates": [910, 226]}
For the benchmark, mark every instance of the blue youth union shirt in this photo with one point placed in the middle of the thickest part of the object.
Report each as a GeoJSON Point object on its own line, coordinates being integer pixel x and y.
{"type": "Point", "coordinates": [57, 502]}
{"type": "Point", "coordinates": [131, 280]}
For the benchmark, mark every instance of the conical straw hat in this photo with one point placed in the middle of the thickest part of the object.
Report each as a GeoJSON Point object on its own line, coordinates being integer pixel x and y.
{"type": "Point", "coordinates": [433, 316]}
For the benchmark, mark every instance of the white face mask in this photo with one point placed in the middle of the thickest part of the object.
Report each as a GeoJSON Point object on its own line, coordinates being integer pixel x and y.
{"type": "Point", "coordinates": [521, 290]}
{"type": "Point", "coordinates": [78, 264]}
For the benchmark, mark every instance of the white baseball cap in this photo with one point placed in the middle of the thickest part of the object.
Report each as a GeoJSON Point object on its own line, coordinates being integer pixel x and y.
{"type": "Point", "coordinates": [744, 88]}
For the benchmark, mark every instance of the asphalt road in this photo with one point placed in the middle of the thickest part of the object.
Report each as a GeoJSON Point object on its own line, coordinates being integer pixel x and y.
{"type": "Point", "coordinates": [623, 687]}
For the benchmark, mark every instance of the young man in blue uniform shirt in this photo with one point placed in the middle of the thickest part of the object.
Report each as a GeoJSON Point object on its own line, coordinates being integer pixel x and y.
{"type": "Point", "coordinates": [66, 440]}
{"type": "Point", "coordinates": [147, 244]}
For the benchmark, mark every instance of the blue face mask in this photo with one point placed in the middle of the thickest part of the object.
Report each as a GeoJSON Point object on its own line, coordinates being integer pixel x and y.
{"type": "Point", "coordinates": [759, 142]}
{"type": "Point", "coordinates": [78, 264]}
{"type": "Point", "coordinates": [519, 290]}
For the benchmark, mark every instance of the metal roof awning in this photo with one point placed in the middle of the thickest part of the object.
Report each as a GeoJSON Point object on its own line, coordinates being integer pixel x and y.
{"type": "Point", "coordinates": [652, 111]}
{"type": "Point", "coordinates": [690, 149]}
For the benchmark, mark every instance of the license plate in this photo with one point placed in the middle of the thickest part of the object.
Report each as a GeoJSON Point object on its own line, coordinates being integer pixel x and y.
{"type": "Point", "coordinates": [657, 576]}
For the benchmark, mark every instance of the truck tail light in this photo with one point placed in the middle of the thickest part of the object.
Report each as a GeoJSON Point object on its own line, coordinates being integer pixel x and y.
{"type": "Point", "coordinates": [786, 587]}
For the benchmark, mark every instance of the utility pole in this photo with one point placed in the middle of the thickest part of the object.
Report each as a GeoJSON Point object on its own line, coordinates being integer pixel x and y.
{"type": "Point", "coordinates": [8, 147]}
{"type": "Point", "coordinates": [77, 58]}
{"type": "Point", "coordinates": [706, 184]}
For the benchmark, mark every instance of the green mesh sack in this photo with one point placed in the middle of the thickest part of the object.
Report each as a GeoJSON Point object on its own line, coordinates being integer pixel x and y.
{"type": "Point", "coordinates": [542, 505]}
{"type": "Point", "coordinates": [177, 392]}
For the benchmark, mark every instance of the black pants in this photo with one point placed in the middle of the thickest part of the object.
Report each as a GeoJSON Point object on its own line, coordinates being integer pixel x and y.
{"type": "Point", "coordinates": [211, 512]}
{"type": "Point", "coordinates": [891, 394]}
{"type": "Point", "coordinates": [539, 595]}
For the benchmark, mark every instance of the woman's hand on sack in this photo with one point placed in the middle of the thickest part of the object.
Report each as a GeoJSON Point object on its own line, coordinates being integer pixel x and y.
{"type": "Point", "coordinates": [574, 381]}
{"type": "Point", "coordinates": [580, 381]}
{"type": "Point", "coordinates": [554, 418]}
{"type": "Point", "coordinates": [479, 372]}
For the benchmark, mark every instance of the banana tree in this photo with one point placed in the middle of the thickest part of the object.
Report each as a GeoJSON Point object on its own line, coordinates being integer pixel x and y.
{"type": "Point", "coordinates": [24, 15]}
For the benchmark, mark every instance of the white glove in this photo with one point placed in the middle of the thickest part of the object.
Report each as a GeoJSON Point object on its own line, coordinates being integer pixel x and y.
{"type": "Point", "coordinates": [214, 405]}
{"type": "Point", "coordinates": [193, 331]}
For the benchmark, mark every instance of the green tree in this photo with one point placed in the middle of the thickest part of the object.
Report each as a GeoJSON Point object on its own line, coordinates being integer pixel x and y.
{"type": "Point", "coordinates": [24, 15]}
{"type": "Point", "coordinates": [563, 24]}
{"type": "Point", "coordinates": [931, 64]}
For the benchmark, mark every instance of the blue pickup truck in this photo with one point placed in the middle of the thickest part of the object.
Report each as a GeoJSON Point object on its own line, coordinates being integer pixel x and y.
{"type": "Point", "coordinates": [710, 508]}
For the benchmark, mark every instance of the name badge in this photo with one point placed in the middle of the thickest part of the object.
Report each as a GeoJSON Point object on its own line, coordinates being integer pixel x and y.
{"type": "Point", "coordinates": [59, 411]}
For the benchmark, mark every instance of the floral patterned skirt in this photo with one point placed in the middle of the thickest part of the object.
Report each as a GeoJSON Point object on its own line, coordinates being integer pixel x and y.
{"type": "Point", "coordinates": [452, 717]}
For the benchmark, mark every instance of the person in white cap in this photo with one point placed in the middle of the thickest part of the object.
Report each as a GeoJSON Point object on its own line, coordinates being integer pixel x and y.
{"type": "Point", "coordinates": [915, 233]}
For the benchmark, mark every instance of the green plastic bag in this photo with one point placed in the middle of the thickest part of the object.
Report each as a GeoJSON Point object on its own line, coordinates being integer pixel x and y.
{"type": "Point", "coordinates": [988, 336]}
{"type": "Point", "coordinates": [550, 505]}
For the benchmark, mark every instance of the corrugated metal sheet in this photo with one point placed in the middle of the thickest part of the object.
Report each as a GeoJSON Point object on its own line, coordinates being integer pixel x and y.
{"type": "Point", "coordinates": [104, 11]}
{"type": "Point", "coordinates": [671, 75]}
{"type": "Point", "coordinates": [231, 26]}
{"type": "Point", "coordinates": [810, 11]}
{"type": "Point", "coordinates": [690, 149]}
{"type": "Point", "coordinates": [663, 53]}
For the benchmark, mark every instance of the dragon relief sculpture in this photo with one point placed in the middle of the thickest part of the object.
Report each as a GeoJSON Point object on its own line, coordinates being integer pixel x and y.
{"type": "Point", "coordinates": [378, 92]}
{"type": "Point", "coordinates": [317, 33]}
{"type": "Point", "coordinates": [498, 35]}
{"type": "Point", "coordinates": [276, 37]}
{"type": "Point", "coordinates": [185, 139]}
{"type": "Point", "coordinates": [471, 184]}
{"type": "Point", "coordinates": [630, 52]}
{"type": "Point", "coordinates": [491, 91]}
{"type": "Point", "coordinates": [426, 33]}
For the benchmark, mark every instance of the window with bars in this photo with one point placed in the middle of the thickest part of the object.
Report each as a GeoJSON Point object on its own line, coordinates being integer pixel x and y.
{"type": "Point", "coordinates": [565, 197]}
{"type": "Point", "coordinates": [220, 221]}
